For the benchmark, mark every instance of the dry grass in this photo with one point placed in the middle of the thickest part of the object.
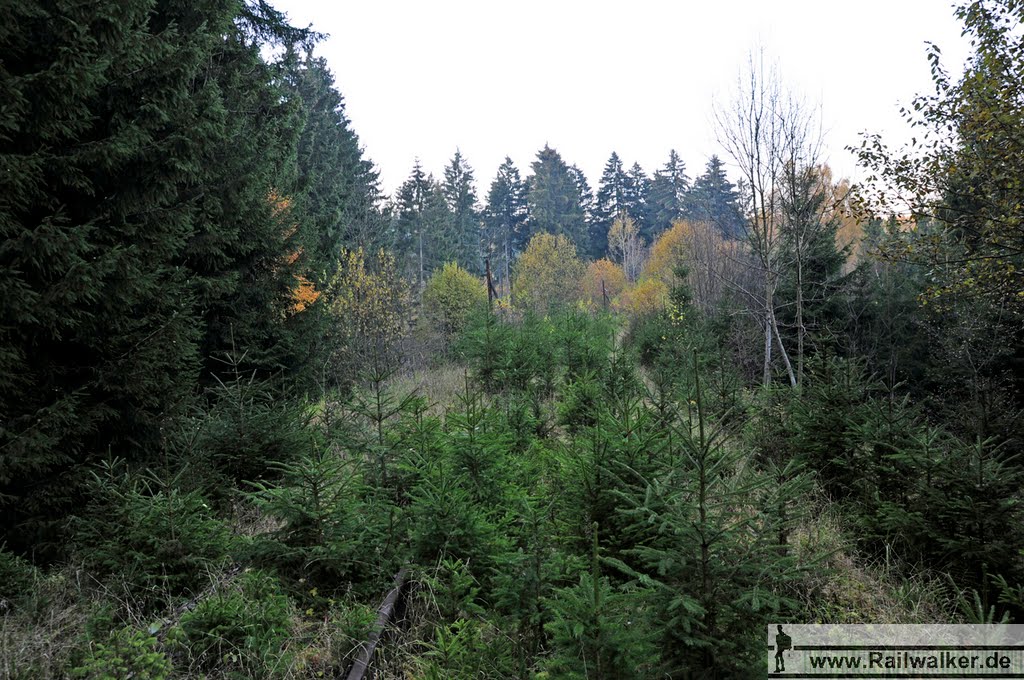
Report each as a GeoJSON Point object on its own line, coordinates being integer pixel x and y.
{"type": "Point", "coordinates": [38, 637]}
{"type": "Point", "coordinates": [439, 385]}
{"type": "Point", "coordinates": [850, 590]}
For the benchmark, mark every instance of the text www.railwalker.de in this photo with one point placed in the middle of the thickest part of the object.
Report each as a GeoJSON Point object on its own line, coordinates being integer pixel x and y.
{"type": "Point", "coordinates": [906, 660]}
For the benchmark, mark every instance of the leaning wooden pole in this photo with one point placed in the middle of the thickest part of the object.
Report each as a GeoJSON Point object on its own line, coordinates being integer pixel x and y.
{"type": "Point", "coordinates": [491, 293]}
{"type": "Point", "coordinates": [361, 667]}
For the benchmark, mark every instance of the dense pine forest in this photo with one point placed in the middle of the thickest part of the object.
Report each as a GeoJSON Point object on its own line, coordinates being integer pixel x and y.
{"type": "Point", "coordinates": [603, 428]}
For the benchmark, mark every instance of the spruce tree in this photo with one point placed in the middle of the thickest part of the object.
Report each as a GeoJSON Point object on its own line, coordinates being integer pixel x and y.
{"type": "Point", "coordinates": [553, 198]}
{"type": "Point", "coordinates": [139, 230]}
{"type": "Point", "coordinates": [637, 191]}
{"type": "Point", "coordinates": [408, 224]}
{"type": "Point", "coordinates": [667, 196]}
{"type": "Point", "coordinates": [586, 198]}
{"type": "Point", "coordinates": [610, 202]}
{"type": "Point", "coordinates": [714, 199]}
{"type": "Point", "coordinates": [338, 188]}
{"type": "Point", "coordinates": [440, 240]}
{"type": "Point", "coordinates": [460, 195]}
{"type": "Point", "coordinates": [505, 219]}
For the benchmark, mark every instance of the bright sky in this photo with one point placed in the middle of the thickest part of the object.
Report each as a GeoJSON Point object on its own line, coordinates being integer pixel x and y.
{"type": "Point", "coordinates": [640, 78]}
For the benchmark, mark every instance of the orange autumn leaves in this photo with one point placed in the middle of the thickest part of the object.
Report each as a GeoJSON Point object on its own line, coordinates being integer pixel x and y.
{"type": "Point", "coordinates": [303, 292]}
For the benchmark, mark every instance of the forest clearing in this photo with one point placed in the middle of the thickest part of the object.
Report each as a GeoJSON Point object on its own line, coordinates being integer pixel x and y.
{"type": "Point", "coordinates": [260, 419]}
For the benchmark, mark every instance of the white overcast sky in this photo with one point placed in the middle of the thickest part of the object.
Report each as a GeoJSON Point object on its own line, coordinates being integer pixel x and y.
{"type": "Point", "coordinates": [639, 78]}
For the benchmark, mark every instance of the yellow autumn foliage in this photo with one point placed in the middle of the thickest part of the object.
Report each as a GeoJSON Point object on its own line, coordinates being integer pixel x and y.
{"type": "Point", "coordinates": [648, 296]}
{"type": "Point", "coordinates": [370, 309]}
{"type": "Point", "coordinates": [606, 271]}
{"type": "Point", "coordinates": [547, 274]}
{"type": "Point", "coordinates": [670, 249]}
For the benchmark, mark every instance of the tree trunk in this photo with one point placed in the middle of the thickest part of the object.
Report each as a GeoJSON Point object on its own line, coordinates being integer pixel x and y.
{"type": "Point", "coordinates": [800, 330]}
{"type": "Point", "coordinates": [768, 302]}
{"type": "Point", "coordinates": [782, 349]}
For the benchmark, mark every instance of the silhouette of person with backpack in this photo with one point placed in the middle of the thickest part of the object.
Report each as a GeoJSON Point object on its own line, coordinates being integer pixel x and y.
{"type": "Point", "coordinates": [782, 643]}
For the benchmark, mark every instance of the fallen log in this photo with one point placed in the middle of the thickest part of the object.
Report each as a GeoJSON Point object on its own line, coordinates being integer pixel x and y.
{"type": "Point", "coordinates": [361, 666]}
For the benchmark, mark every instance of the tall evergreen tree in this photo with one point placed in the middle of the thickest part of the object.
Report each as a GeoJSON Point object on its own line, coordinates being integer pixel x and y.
{"type": "Point", "coordinates": [505, 217]}
{"type": "Point", "coordinates": [586, 196]}
{"type": "Point", "coordinates": [611, 201]}
{"type": "Point", "coordinates": [460, 195]}
{"type": "Point", "coordinates": [554, 200]}
{"type": "Point", "coordinates": [638, 187]}
{"type": "Point", "coordinates": [666, 200]}
{"type": "Point", "coordinates": [143, 144]}
{"type": "Point", "coordinates": [440, 240]}
{"type": "Point", "coordinates": [338, 188]}
{"type": "Point", "coordinates": [409, 204]}
{"type": "Point", "coordinates": [714, 199]}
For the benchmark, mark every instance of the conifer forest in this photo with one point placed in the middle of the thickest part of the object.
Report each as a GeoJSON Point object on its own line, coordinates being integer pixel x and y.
{"type": "Point", "coordinates": [254, 408]}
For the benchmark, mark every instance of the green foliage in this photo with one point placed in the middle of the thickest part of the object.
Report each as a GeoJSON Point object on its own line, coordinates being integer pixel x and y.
{"type": "Point", "coordinates": [161, 541]}
{"type": "Point", "coordinates": [240, 631]}
{"type": "Point", "coordinates": [246, 431]}
{"type": "Point", "coordinates": [504, 216]}
{"type": "Point", "coordinates": [963, 171]}
{"type": "Point", "coordinates": [132, 261]}
{"type": "Point", "coordinates": [713, 198]}
{"type": "Point", "coordinates": [553, 198]}
{"type": "Point", "coordinates": [667, 196]}
{"type": "Point", "coordinates": [466, 649]}
{"type": "Point", "coordinates": [17, 579]}
{"type": "Point", "coordinates": [326, 522]}
{"type": "Point", "coordinates": [462, 242]}
{"type": "Point", "coordinates": [127, 653]}
{"type": "Point", "coordinates": [451, 295]}
{"type": "Point", "coordinates": [444, 518]}
{"type": "Point", "coordinates": [597, 632]}
{"type": "Point", "coordinates": [712, 524]}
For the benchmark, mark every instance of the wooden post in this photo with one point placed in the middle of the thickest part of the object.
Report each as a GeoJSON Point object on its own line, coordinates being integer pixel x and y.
{"type": "Point", "coordinates": [491, 293]}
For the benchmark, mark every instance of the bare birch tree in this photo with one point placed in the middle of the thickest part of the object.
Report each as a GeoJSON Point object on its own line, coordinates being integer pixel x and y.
{"type": "Point", "coordinates": [770, 135]}
{"type": "Point", "coordinates": [625, 245]}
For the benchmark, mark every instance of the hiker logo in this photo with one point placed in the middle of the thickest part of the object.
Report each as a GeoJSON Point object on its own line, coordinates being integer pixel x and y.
{"type": "Point", "coordinates": [783, 643]}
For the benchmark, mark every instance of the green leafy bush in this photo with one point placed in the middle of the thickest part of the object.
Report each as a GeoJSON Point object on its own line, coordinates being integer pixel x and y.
{"type": "Point", "coordinates": [449, 297]}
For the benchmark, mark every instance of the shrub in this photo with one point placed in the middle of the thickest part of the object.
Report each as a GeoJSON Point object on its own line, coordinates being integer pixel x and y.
{"type": "Point", "coordinates": [128, 653]}
{"type": "Point", "coordinates": [242, 630]}
{"type": "Point", "coordinates": [603, 277]}
{"type": "Point", "coordinates": [547, 274]}
{"type": "Point", "coordinates": [449, 297]}
{"type": "Point", "coordinates": [17, 579]}
{"type": "Point", "coordinates": [647, 297]}
{"type": "Point", "coordinates": [160, 540]}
